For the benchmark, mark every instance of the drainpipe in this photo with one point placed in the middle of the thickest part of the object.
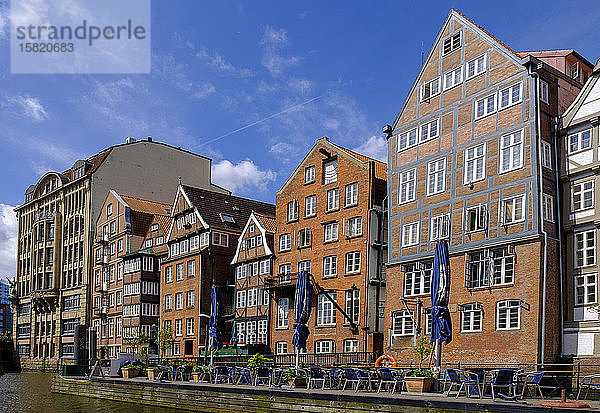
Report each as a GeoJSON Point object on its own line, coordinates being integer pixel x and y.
{"type": "Point", "coordinates": [560, 234]}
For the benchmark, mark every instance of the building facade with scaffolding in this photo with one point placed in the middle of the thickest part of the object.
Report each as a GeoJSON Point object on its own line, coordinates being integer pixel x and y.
{"type": "Point", "coordinates": [472, 160]}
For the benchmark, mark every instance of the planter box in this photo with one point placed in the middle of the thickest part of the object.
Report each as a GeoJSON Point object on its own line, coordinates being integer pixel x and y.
{"type": "Point", "coordinates": [298, 382]}
{"type": "Point", "coordinates": [200, 376]}
{"type": "Point", "coordinates": [152, 374]}
{"type": "Point", "coordinates": [130, 372]}
{"type": "Point", "coordinates": [418, 384]}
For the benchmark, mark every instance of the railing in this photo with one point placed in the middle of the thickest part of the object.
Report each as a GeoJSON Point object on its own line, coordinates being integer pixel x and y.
{"type": "Point", "coordinates": [281, 280]}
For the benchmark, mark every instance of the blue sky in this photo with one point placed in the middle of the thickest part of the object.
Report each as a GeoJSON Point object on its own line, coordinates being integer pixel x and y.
{"type": "Point", "coordinates": [296, 71]}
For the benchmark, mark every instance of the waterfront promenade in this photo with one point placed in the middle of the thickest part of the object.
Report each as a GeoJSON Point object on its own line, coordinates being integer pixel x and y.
{"type": "Point", "coordinates": [244, 398]}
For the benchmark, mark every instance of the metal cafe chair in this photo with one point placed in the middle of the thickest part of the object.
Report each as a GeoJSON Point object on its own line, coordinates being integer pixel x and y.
{"type": "Point", "coordinates": [222, 375]}
{"type": "Point", "coordinates": [389, 377]}
{"type": "Point", "coordinates": [263, 375]}
{"type": "Point", "coordinates": [242, 375]}
{"type": "Point", "coordinates": [531, 379]}
{"type": "Point", "coordinates": [316, 375]}
{"type": "Point", "coordinates": [466, 380]}
{"type": "Point", "coordinates": [591, 381]}
{"type": "Point", "coordinates": [500, 378]}
{"type": "Point", "coordinates": [354, 376]}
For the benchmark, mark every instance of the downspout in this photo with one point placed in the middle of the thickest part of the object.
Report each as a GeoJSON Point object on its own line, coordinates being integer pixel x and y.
{"type": "Point", "coordinates": [560, 235]}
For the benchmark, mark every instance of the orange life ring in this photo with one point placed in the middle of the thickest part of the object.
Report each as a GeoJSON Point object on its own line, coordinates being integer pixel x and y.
{"type": "Point", "coordinates": [388, 358]}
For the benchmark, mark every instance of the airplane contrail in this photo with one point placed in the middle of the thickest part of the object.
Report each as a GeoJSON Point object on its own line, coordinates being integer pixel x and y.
{"type": "Point", "coordinates": [259, 121]}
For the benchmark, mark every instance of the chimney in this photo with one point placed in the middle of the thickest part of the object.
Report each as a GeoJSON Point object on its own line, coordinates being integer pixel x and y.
{"type": "Point", "coordinates": [149, 139]}
{"type": "Point", "coordinates": [129, 140]}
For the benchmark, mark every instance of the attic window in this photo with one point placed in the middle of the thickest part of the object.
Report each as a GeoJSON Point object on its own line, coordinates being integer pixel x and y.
{"type": "Point", "coordinates": [227, 218]}
{"type": "Point", "coordinates": [451, 44]}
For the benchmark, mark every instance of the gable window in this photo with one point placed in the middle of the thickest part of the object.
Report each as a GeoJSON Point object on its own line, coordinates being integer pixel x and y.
{"type": "Point", "coordinates": [476, 218]}
{"type": "Point", "coordinates": [154, 227]}
{"type": "Point", "coordinates": [485, 106]}
{"type": "Point", "coordinates": [410, 234]}
{"type": "Point", "coordinates": [436, 176]}
{"type": "Point", "coordinates": [430, 130]}
{"type": "Point", "coordinates": [440, 227]}
{"type": "Point", "coordinates": [511, 95]}
{"type": "Point", "coordinates": [351, 194]}
{"type": "Point", "coordinates": [330, 266]}
{"type": "Point", "coordinates": [353, 305]}
{"type": "Point", "coordinates": [353, 262]}
{"type": "Point", "coordinates": [548, 207]}
{"type": "Point", "coordinates": [430, 89]}
{"type": "Point", "coordinates": [304, 238]}
{"type": "Point", "coordinates": [453, 78]}
{"type": "Point", "coordinates": [417, 278]}
{"type": "Point", "coordinates": [511, 151]}
{"type": "Point", "coordinates": [451, 44]}
{"type": "Point", "coordinates": [402, 323]}
{"type": "Point", "coordinates": [583, 196]}
{"type": "Point", "coordinates": [292, 210]}
{"type": "Point", "coordinates": [585, 248]}
{"type": "Point", "coordinates": [310, 206]}
{"type": "Point", "coordinates": [333, 199]}
{"type": "Point", "coordinates": [325, 310]}
{"type": "Point", "coordinates": [109, 209]}
{"type": "Point", "coordinates": [546, 155]}
{"type": "Point", "coordinates": [330, 172]}
{"type": "Point", "coordinates": [513, 209]}
{"type": "Point", "coordinates": [474, 163]}
{"type": "Point", "coordinates": [580, 141]}
{"type": "Point", "coordinates": [407, 139]}
{"type": "Point", "coordinates": [471, 315]}
{"type": "Point", "coordinates": [354, 226]}
{"type": "Point", "coordinates": [585, 289]}
{"type": "Point", "coordinates": [476, 66]}
{"type": "Point", "coordinates": [331, 232]}
{"type": "Point", "coordinates": [407, 186]}
{"type": "Point", "coordinates": [309, 175]}
{"type": "Point", "coordinates": [285, 242]}
{"type": "Point", "coordinates": [544, 92]}
{"type": "Point", "coordinates": [508, 315]}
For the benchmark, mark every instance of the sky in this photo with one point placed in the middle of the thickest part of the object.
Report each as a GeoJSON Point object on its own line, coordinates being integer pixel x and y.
{"type": "Point", "coordinates": [252, 85]}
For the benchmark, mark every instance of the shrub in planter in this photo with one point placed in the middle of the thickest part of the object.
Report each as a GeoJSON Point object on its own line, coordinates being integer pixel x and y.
{"type": "Point", "coordinates": [420, 380]}
{"type": "Point", "coordinates": [130, 372]}
{"type": "Point", "coordinates": [152, 373]}
{"type": "Point", "coordinates": [294, 378]}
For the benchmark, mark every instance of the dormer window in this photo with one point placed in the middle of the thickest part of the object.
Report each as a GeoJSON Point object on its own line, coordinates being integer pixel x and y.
{"type": "Point", "coordinates": [227, 218]}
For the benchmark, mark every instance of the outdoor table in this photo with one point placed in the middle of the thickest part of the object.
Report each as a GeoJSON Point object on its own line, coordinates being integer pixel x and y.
{"type": "Point", "coordinates": [555, 380]}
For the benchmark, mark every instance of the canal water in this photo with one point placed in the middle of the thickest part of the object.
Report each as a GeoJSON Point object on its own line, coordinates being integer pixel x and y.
{"type": "Point", "coordinates": [30, 392]}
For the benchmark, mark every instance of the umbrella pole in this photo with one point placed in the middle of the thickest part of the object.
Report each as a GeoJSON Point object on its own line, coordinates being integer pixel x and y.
{"type": "Point", "coordinates": [438, 354]}
{"type": "Point", "coordinates": [211, 352]}
{"type": "Point", "coordinates": [297, 357]}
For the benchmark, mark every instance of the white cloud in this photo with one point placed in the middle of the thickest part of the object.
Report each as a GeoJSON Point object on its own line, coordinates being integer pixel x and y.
{"type": "Point", "coordinates": [219, 63]}
{"type": "Point", "coordinates": [30, 107]}
{"type": "Point", "coordinates": [242, 177]}
{"type": "Point", "coordinates": [8, 241]}
{"type": "Point", "coordinates": [181, 76]}
{"type": "Point", "coordinates": [273, 42]}
{"type": "Point", "coordinates": [374, 147]}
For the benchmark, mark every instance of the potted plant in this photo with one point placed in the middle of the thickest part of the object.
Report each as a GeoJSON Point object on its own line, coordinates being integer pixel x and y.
{"type": "Point", "coordinates": [294, 378]}
{"type": "Point", "coordinates": [420, 380]}
{"type": "Point", "coordinates": [200, 373]}
{"type": "Point", "coordinates": [152, 373]}
{"type": "Point", "coordinates": [131, 371]}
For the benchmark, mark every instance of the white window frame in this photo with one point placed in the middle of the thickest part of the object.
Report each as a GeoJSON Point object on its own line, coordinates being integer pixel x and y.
{"type": "Point", "coordinates": [440, 227]}
{"type": "Point", "coordinates": [485, 104]}
{"type": "Point", "coordinates": [544, 92]}
{"type": "Point", "coordinates": [408, 139]}
{"type": "Point", "coordinates": [354, 227]}
{"type": "Point", "coordinates": [588, 285]}
{"type": "Point", "coordinates": [436, 176]}
{"type": "Point", "coordinates": [240, 299]}
{"type": "Point", "coordinates": [324, 346]}
{"type": "Point", "coordinates": [281, 347]}
{"type": "Point", "coordinates": [309, 174]}
{"type": "Point", "coordinates": [407, 183]}
{"type": "Point", "coordinates": [429, 130]}
{"type": "Point", "coordinates": [453, 78]}
{"type": "Point", "coordinates": [513, 201]}
{"type": "Point", "coordinates": [472, 158]}
{"type": "Point", "coordinates": [330, 266]}
{"type": "Point", "coordinates": [587, 252]}
{"type": "Point", "coordinates": [481, 223]}
{"type": "Point", "coordinates": [326, 311]}
{"type": "Point", "coordinates": [285, 242]}
{"type": "Point", "coordinates": [417, 278]}
{"type": "Point", "coordinates": [548, 207]}
{"type": "Point", "coordinates": [310, 206]}
{"type": "Point", "coordinates": [353, 262]}
{"type": "Point", "coordinates": [410, 234]}
{"type": "Point", "coordinates": [585, 191]}
{"type": "Point", "coordinates": [455, 42]}
{"type": "Point", "coordinates": [402, 323]}
{"type": "Point", "coordinates": [477, 70]}
{"type": "Point", "coordinates": [333, 199]}
{"type": "Point", "coordinates": [512, 100]}
{"type": "Point", "coordinates": [331, 232]}
{"type": "Point", "coordinates": [292, 210]}
{"type": "Point", "coordinates": [575, 141]}
{"type": "Point", "coordinates": [430, 89]}
{"type": "Point", "coordinates": [351, 194]}
{"type": "Point", "coordinates": [513, 146]}
{"type": "Point", "coordinates": [510, 307]}
{"type": "Point", "coordinates": [351, 345]}
{"type": "Point", "coordinates": [546, 155]}
{"type": "Point", "coordinates": [283, 308]}
{"type": "Point", "coordinates": [471, 318]}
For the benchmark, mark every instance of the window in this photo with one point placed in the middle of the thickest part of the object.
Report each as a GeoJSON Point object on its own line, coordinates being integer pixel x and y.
{"type": "Point", "coordinates": [585, 289]}
{"type": "Point", "coordinates": [309, 174]}
{"type": "Point", "coordinates": [410, 234]}
{"type": "Point", "coordinates": [109, 209]}
{"type": "Point", "coordinates": [352, 194]}
{"type": "Point", "coordinates": [304, 238]}
{"type": "Point", "coordinates": [544, 95]}
{"type": "Point", "coordinates": [330, 266]}
{"type": "Point", "coordinates": [511, 151]}
{"type": "Point", "coordinates": [179, 301]}
{"type": "Point", "coordinates": [189, 326]}
{"type": "Point", "coordinates": [430, 130]}
{"type": "Point", "coordinates": [508, 315]}
{"type": "Point", "coordinates": [325, 310]}
{"type": "Point", "coordinates": [119, 297]}
{"type": "Point", "coordinates": [354, 226]}
{"type": "Point", "coordinates": [402, 323]}
{"type": "Point", "coordinates": [430, 89]}
{"type": "Point", "coordinates": [179, 272]}
{"type": "Point", "coordinates": [310, 206]}
{"type": "Point", "coordinates": [546, 155]}
{"type": "Point", "coordinates": [333, 199]}
{"type": "Point", "coordinates": [353, 305]}
{"type": "Point", "coordinates": [113, 227]}
{"type": "Point", "coordinates": [179, 327]}
{"type": "Point", "coordinates": [330, 172]}
{"type": "Point", "coordinates": [227, 219]}
{"type": "Point", "coordinates": [120, 245]}
{"type": "Point", "coordinates": [474, 164]}
{"type": "Point", "coordinates": [583, 196]}
{"type": "Point", "coordinates": [580, 141]}
{"type": "Point", "coordinates": [453, 78]}
{"type": "Point", "coordinates": [220, 239]}
{"type": "Point", "coordinates": [488, 268]}
{"type": "Point", "coordinates": [148, 243]}
{"type": "Point", "coordinates": [324, 346]}
{"type": "Point", "coordinates": [407, 139]}
{"type": "Point", "coordinates": [331, 231]}
{"type": "Point", "coordinates": [285, 268]}
{"type": "Point", "coordinates": [407, 185]}
{"type": "Point", "coordinates": [265, 267]}
{"type": "Point", "coordinates": [283, 308]}
{"type": "Point", "coordinates": [241, 299]}
{"type": "Point", "coordinates": [548, 207]}
{"type": "Point", "coordinates": [190, 298]}
{"type": "Point", "coordinates": [252, 297]}
{"type": "Point", "coordinates": [353, 262]}
{"type": "Point", "coordinates": [510, 96]}
{"type": "Point", "coordinates": [436, 176]}
{"type": "Point", "coordinates": [191, 268]}
{"type": "Point", "coordinates": [585, 248]}
{"type": "Point", "coordinates": [451, 44]}
{"type": "Point", "coordinates": [440, 227]}
{"type": "Point", "coordinates": [476, 218]}
{"type": "Point", "coordinates": [417, 278]}
{"type": "Point", "coordinates": [304, 266]}
{"type": "Point", "coordinates": [513, 209]}
{"type": "Point", "coordinates": [292, 210]}
{"type": "Point", "coordinates": [351, 345]}
{"type": "Point", "coordinates": [476, 66]}
{"type": "Point", "coordinates": [154, 227]}
{"type": "Point", "coordinates": [471, 315]}
{"type": "Point", "coordinates": [485, 106]}
{"type": "Point", "coordinates": [262, 331]}
{"type": "Point", "coordinates": [281, 347]}
{"type": "Point", "coordinates": [169, 274]}
{"type": "Point", "coordinates": [285, 242]}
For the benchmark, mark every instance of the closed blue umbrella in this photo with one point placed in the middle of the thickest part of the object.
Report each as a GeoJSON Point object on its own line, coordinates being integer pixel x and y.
{"type": "Point", "coordinates": [302, 312]}
{"type": "Point", "coordinates": [214, 322]}
{"type": "Point", "coordinates": [441, 324]}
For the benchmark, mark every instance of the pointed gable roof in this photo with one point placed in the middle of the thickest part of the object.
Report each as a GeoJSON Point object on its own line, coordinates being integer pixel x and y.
{"type": "Point", "coordinates": [587, 102]}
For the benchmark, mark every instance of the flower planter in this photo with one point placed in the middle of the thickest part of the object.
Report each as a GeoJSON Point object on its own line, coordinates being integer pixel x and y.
{"type": "Point", "coordinates": [418, 384]}
{"type": "Point", "coordinates": [152, 374]}
{"type": "Point", "coordinates": [130, 372]}
{"type": "Point", "coordinates": [297, 382]}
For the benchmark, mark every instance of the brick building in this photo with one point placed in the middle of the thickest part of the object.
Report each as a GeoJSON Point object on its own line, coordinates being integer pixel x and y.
{"type": "Point", "coordinates": [253, 263]}
{"type": "Point", "coordinates": [202, 240]}
{"type": "Point", "coordinates": [56, 226]}
{"type": "Point", "coordinates": [329, 222]}
{"type": "Point", "coordinates": [471, 160]}
{"type": "Point", "coordinates": [129, 241]}
{"type": "Point", "coordinates": [6, 317]}
{"type": "Point", "coordinates": [579, 139]}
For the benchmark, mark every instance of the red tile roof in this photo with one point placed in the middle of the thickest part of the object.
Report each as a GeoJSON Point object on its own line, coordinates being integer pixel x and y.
{"type": "Point", "coordinates": [267, 222]}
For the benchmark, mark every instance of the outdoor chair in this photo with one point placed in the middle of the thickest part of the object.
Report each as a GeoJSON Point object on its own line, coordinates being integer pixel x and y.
{"type": "Point", "coordinates": [262, 376]}
{"type": "Point", "coordinates": [531, 379]}
{"type": "Point", "coordinates": [358, 377]}
{"type": "Point", "coordinates": [589, 382]}
{"type": "Point", "coordinates": [334, 378]}
{"type": "Point", "coordinates": [242, 375]}
{"type": "Point", "coordinates": [389, 377]}
{"type": "Point", "coordinates": [164, 373]}
{"type": "Point", "coordinates": [223, 375]}
{"type": "Point", "coordinates": [316, 375]}
{"type": "Point", "coordinates": [466, 380]}
{"type": "Point", "coordinates": [182, 373]}
{"type": "Point", "coordinates": [500, 378]}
